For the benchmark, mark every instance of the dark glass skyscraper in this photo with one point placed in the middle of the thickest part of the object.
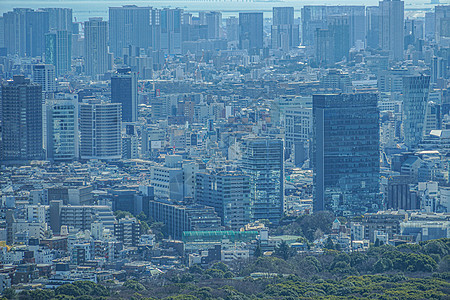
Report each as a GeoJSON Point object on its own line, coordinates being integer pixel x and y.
{"type": "Point", "coordinates": [124, 91]}
{"type": "Point", "coordinates": [21, 108]}
{"type": "Point", "coordinates": [251, 30]}
{"type": "Point", "coordinates": [346, 157]}
{"type": "Point", "coordinates": [415, 99]}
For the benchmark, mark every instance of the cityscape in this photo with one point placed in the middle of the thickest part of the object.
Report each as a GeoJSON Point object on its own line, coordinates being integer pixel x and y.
{"type": "Point", "coordinates": [255, 150]}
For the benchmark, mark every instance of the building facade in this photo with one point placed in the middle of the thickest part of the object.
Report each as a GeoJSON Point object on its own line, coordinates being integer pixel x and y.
{"type": "Point", "coordinates": [346, 154]}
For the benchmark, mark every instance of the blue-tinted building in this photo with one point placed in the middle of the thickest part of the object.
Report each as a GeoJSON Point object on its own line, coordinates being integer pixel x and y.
{"type": "Point", "coordinates": [262, 159]}
{"type": "Point", "coordinates": [346, 153]}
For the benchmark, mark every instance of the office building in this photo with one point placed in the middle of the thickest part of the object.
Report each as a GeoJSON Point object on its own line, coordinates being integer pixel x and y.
{"type": "Point", "coordinates": [387, 222]}
{"type": "Point", "coordinates": [315, 17]}
{"type": "Point", "coordinates": [130, 25]}
{"type": "Point", "coordinates": [58, 51]}
{"type": "Point", "coordinates": [62, 128]}
{"type": "Point", "coordinates": [36, 26]}
{"type": "Point", "coordinates": [262, 160]}
{"type": "Point", "coordinates": [24, 31]}
{"type": "Point", "coordinates": [180, 218]}
{"type": "Point", "coordinates": [298, 130]}
{"type": "Point", "coordinates": [21, 108]}
{"type": "Point", "coordinates": [399, 194]}
{"type": "Point", "coordinates": [96, 47]}
{"type": "Point", "coordinates": [373, 27]}
{"type": "Point", "coordinates": [213, 22]}
{"type": "Point", "coordinates": [415, 99]}
{"type": "Point", "coordinates": [170, 30]}
{"type": "Point", "coordinates": [228, 193]}
{"type": "Point", "coordinates": [232, 26]}
{"type": "Point", "coordinates": [124, 90]}
{"type": "Point", "coordinates": [442, 23]}
{"type": "Point", "coordinates": [346, 153]}
{"type": "Point", "coordinates": [100, 129]}
{"type": "Point", "coordinates": [333, 43]}
{"type": "Point", "coordinates": [285, 34]}
{"type": "Point", "coordinates": [45, 75]}
{"type": "Point", "coordinates": [251, 31]}
{"type": "Point", "coordinates": [391, 27]}
{"type": "Point", "coordinates": [60, 19]}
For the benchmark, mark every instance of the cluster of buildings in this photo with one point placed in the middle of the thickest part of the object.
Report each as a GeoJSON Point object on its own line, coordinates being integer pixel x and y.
{"type": "Point", "coordinates": [160, 138]}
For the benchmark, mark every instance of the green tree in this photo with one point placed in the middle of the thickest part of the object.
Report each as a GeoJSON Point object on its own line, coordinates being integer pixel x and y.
{"type": "Point", "coordinates": [258, 251]}
{"type": "Point", "coordinates": [284, 251]}
{"type": "Point", "coordinates": [9, 293]}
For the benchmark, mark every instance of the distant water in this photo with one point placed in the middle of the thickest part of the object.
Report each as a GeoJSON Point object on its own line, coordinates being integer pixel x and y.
{"type": "Point", "coordinates": [84, 9]}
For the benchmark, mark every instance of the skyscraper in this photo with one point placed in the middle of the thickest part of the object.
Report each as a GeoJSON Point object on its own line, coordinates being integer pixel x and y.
{"type": "Point", "coordinates": [96, 48]}
{"type": "Point", "coordinates": [415, 99]}
{"type": "Point", "coordinates": [24, 31]}
{"type": "Point", "coordinates": [391, 27]}
{"type": "Point", "coordinates": [333, 43]}
{"type": "Point", "coordinates": [285, 34]}
{"type": "Point", "coordinates": [263, 159]}
{"type": "Point", "coordinates": [36, 26]}
{"type": "Point", "coordinates": [124, 91]}
{"type": "Point", "coordinates": [316, 17]}
{"type": "Point", "coordinates": [213, 22]}
{"type": "Point", "coordinates": [62, 128]}
{"type": "Point", "coordinates": [130, 25]}
{"type": "Point", "coordinates": [251, 31]}
{"type": "Point", "coordinates": [60, 18]}
{"type": "Point", "coordinates": [442, 22]}
{"type": "Point", "coordinates": [21, 108]}
{"type": "Point", "coordinates": [45, 75]}
{"type": "Point", "coordinates": [58, 51]}
{"type": "Point", "coordinates": [228, 192]}
{"type": "Point", "coordinates": [346, 159]}
{"type": "Point", "coordinates": [170, 30]}
{"type": "Point", "coordinates": [100, 130]}
{"type": "Point", "coordinates": [373, 27]}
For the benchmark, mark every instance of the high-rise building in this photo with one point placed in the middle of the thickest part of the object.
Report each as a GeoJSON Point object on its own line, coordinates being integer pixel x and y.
{"type": "Point", "coordinates": [21, 108]}
{"type": "Point", "coordinates": [333, 43]}
{"type": "Point", "coordinates": [415, 99]}
{"type": "Point", "coordinates": [45, 75]}
{"type": "Point", "coordinates": [316, 17]}
{"type": "Point", "coordinates": [100, 130]}
{"type": "Point", "coordinates": [228, 193]}
{"type": "Point", "coordinates": [285, 34]}
{"type": "Point", "coordinates": [442, 22]}
{"type": "Point", "coordinates": [170, 30]}
{"type": "Point", "coordinates": [391, 27]}
{"type": "Point", "coordinates": [62, 128]}
{"type": "Point", "coordinates": [58, 51]}
{"type": "Point", "coordinates": [345, 153]}
{"type": "Point", "coordinates": [251, 31]}
{"type": "Point", "coordinates": [373, 27]}
{"type": "Point", "coordinates": [262, 159]}
{"type": "Point", "coordinates": [213, 21]}
{"type": "Point", "coordinates": [60, 18]}
{"type": "Point", "coordinates": [298, 130]}
{"type": "Point", "coordinates": [96, 48]}
{"type": "Point", "coordinates": [24, 31]}
{"type": "Point", "coordinates": [130, 25]}
{"type": "Point", "coordinates": [36, 26]}
{"type": "Point", "coordinates": [124, 91]}
{"type": "Point", "coordinates": [232, 25]}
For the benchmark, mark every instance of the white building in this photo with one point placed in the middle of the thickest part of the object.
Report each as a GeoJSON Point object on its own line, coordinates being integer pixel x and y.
{"type": "Point", "coordinates": [100, 128]}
